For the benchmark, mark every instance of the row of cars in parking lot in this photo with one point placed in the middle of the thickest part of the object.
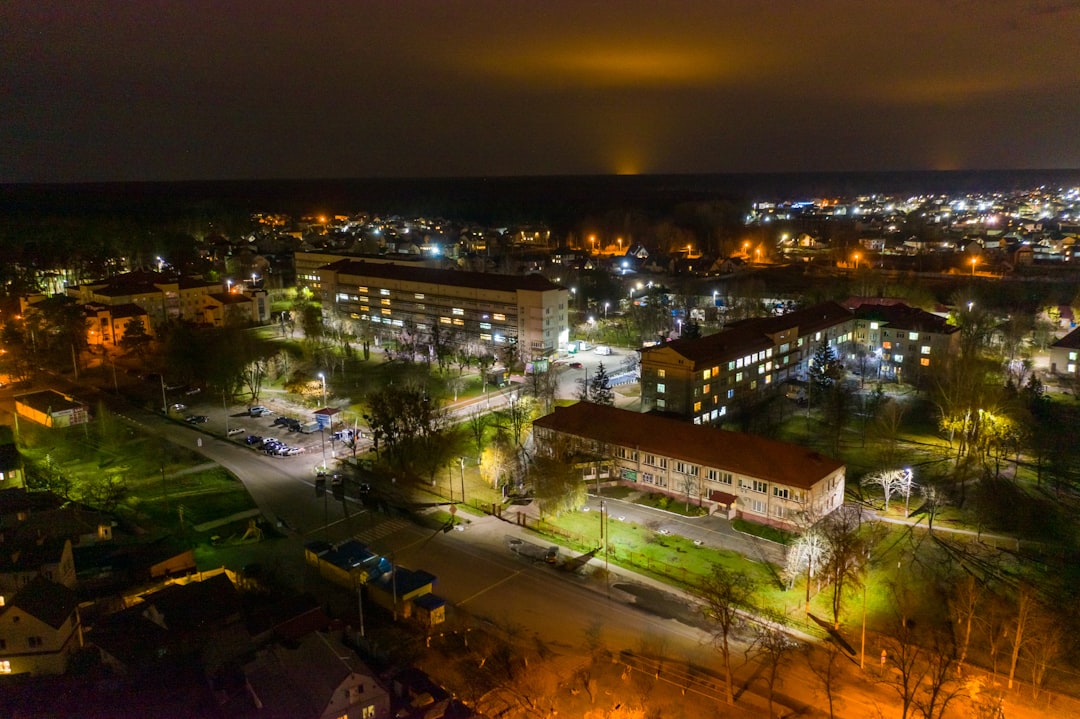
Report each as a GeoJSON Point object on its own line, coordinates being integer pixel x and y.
{"type": "Point", "coordinates": [272, 446]}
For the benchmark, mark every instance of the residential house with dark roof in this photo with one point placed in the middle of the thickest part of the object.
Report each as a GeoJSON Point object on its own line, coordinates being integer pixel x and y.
{"type": "Point", "coordinates": [1065, 356]}
{"type": "Point", "coordinates": [488, 310]}
{"type": "Point", "coordinates": [11, 467]}
{"type": "Point", "coordinates": [39, 628]}
{"type": "Point", "coordinates": [24, 557]}
{"type": "Point", "coordinates": [314, 677]}
{"type": "Point", "coordinates": [706, 378]}
{"type": "Point", "coordinates": [755, 478]}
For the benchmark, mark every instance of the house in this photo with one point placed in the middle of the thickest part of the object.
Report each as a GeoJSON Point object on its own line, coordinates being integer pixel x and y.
{"type": "Point", "coordinates": [704, 379]}
{"type": "Point", "coordinates": [1064, 355]}
{"type": "Point", "coordinates": [23, 558]}
{"type": "Point", "coordinates": [39, 628]}
{"type": "Point", "coordinates": [758, 479]}
{"type": "Point", "coordinates": [315, 677]}
{"type": "Point", "coordinates": [11, 467]}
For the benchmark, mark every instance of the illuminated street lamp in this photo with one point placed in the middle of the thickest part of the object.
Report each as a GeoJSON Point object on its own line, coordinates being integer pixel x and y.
{"type": "Point", "coordinates": [856, 260]}
{"type": "Point", "coordinates": [322, 378]}
{"type": "Point", "coordinates": [606, 304]}
{"type": "Point", "coordinates": [974, 261]}
{"type": "Point", "coordinates": [592, 241]}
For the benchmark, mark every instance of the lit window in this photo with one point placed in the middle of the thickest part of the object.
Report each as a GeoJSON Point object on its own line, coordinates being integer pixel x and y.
{"type": "Point", "coordinates": [886, 345]}
{"type": "Point", "coordinates": [925, 361]}
{"type": "Point", "coordinates": [5, 666]}
{"type": "Point", "coordinates": [697, 406]}
{"type": "Point", "coordinates": [661, 388]}
{"type": "Point", "coordinates": [706, 374]}
{"type": "Point", "coordinates": [384, 292]}
{"type": "Point", "coordinates": [385, 313]}
{"type": "Point", "coordinates": [445, 320]}
{"type": "Point", "coordinates": [459, 323]}
{"type": "Point", "coordinates": [499, 317]}
{"type": "Point", "coordinates": [738, 376]}
{"type": "Point", "coordinates": [873, 325]}
{"type": "Point", "coordinates": [661, 373]}
{"type": "Point", "coordinates": [706, 389]}
{"type": "Point", "coordinates": [913, 335]}
{"type": "Point", "coordinates": [485, 336]}
{"type": "Point", "coordinates": [1070, 368]}
{"type": "Point", "coordinates": [730, 393]}
{"type": "Point", "coordinates": [660, 404]}
{"type": "Point", "coordinates": [362, 290]}
{"type": "Point", "coordinates": [385, 302]}
{"type": "Point", "coordinates": [485, 325]}
{"type": "Point", "coordinates": [1072, 356]}
{"type": "Point", "coordinates": [419, 295]}
{"type": "Point", "coordinates": [925, 349]}
{"type": "Point", "coordinates": [457, 311]}
{"type": "Point", "coordinates": [898, 358]}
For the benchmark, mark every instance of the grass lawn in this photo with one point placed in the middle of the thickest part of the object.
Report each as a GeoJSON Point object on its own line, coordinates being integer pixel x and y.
{"type": "Point", "coordinates": [156, 477]}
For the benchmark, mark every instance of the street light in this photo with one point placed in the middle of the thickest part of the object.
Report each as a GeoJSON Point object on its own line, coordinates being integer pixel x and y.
{"type": "Point", "coordinates": [856, 260]}
{"type": "Point", "coordinates": [605, 309]}
{"type": "Point", "coordinates": [974, 261]}
{"type": "Point", "coordinates": [322, 377]}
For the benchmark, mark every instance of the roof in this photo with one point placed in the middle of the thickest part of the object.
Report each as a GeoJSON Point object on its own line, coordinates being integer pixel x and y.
{"type": "Point", "coordinates": [30, 553]}
{"type": "Point", "coordinates": [900, 316]}
{"type": "Point", "coordinates": [1070, 341]}
{"type": "Point", "coordinates": [745, 454]}
{"type": "Point", "coordinates": [754, 334]}
{"type": "Point", "coordinates": [50, 602]}
{"type": "Point", "coordinates": [452, 278]}
{"type": "Point", "coordinates": [49, 401]}
{"type": "Point", "coordinates": [198, 605]}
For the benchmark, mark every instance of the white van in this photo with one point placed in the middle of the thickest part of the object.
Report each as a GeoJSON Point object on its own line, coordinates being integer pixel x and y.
{"type": "Point", "coordinates": [602, 350]}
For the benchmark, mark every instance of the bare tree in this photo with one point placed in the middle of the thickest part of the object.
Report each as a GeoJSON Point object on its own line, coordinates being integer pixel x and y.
{"type": "Point", "coordinates": [848, 553]}
{"type": "Point", "coordinates": [887, 479]}
{"type": "Point", "coordinates": [725, 595]}
{"type": "Point", "coordinates": [1045, 644]}
{"type": "Point", "coordinates": [964, 604]}
{"type": "Point", "coordinates": [825, 666]}
{"type": "Point", "coordinates": [1025, 608]}
{"type": "Point", "coordinates": [773, 648]}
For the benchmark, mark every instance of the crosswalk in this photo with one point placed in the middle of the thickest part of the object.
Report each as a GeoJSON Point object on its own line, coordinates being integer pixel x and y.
{"type": "Point", "coordinates": [383, 529]}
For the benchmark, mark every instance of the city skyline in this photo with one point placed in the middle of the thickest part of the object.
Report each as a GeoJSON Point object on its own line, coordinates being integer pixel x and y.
{"type": "Point", "coordinates": [161, 91]}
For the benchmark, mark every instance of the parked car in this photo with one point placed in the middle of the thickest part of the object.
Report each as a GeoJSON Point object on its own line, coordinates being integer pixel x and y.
{"type": "Point", "coordinates": [196, 419]}
{"type": "Point", "coordinates": [192, 390]}
{"type": "Point", "coordinates": [253, 439]}
{"type": "Point", "coordinates": [235, 431]}
{"type": "Point", "coordinates": [258, 411]}
{"type": "Point", "coordinates": [575, 365]}
{"type": "Point", "coordinates": [178, 407]}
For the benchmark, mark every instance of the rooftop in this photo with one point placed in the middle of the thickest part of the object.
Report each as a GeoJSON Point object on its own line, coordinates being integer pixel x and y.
{"type": "Point", "coordinates": [451, 278]}
{"type": "Point", "coordinates": [745, 454]}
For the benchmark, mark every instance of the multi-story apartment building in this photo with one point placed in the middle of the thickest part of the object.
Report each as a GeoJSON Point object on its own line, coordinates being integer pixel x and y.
{"type": "Point", "coordinates": [490, 310]}
{"type": "Point", "coordinates": [903, 343]}
{"type": "Point", "coordinates": [758, 479]}
{"type": "Point", "coordinates": [308, 263]}
{"type": "Point", "coordinates": [703, 379]}
{"type": "Point", "coordinates": [156, 298]}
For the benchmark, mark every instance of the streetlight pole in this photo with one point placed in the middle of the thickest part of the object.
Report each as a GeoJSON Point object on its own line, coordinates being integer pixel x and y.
{"type": "Point", "coordinates": [164, 401]}
{"type": "Point", "coordinates": [461, 460]}
{"type": "Point", "coordinates": [322, 377]}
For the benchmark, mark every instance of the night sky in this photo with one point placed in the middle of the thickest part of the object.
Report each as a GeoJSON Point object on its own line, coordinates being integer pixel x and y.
{"type": "Point", "coordinates": [239, 89]}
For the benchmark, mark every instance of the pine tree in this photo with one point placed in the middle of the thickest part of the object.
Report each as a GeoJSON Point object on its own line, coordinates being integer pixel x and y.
{"type": "Point", "coordinates": [600, 390]}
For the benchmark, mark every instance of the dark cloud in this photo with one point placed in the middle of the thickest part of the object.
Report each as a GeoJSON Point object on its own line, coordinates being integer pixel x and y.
{"type": "Point", "coordinates": [175, 90]}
